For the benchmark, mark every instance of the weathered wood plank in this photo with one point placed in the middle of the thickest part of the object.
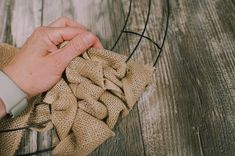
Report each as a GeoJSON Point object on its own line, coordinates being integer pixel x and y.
{"type": "Point", "coordinates": [5, 20]}
{"type": "Point", "coordinates": [3, 14]}
{"type": "Point", "coordinates": [26, 17]}
{"type": "Point", "coordinates": [190, 109]}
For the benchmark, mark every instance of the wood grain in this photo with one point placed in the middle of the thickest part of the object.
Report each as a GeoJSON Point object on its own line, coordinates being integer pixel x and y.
{"type": "Point", "coordinates": [189, 108]}
{"type": "Point", "coordinates": [5, 19]}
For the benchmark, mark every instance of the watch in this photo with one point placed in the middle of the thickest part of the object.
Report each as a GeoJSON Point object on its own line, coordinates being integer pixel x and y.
{"type": "Point", "coordinates": [13, 97]}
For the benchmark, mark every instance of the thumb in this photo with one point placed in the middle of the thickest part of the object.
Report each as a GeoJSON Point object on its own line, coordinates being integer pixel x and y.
{"type": "Point", "coordinates": [76, 46]}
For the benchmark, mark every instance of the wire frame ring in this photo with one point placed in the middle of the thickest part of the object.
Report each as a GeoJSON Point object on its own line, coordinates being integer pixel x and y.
{"type": "Point", "coordinates": [123, 30]}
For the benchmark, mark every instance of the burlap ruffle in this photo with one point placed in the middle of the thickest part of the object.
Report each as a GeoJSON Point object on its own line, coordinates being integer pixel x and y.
{"type": "Point", "coordinates": [100, 88]}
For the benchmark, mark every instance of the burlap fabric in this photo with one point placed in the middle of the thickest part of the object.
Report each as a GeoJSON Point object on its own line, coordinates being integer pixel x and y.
{"type": "Point", "coordinates": [99, 88]}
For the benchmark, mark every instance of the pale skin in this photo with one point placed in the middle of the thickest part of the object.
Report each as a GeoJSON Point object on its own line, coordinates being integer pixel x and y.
{"type": "Point", "coordinates": [39, 64]}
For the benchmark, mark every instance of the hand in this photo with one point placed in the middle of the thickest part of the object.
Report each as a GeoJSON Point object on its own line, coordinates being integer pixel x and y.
{"type": "Point", "coordinates": [40, 64]}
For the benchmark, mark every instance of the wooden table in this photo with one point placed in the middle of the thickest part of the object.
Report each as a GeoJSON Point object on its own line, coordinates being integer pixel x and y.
{"type": "Point", "coordinates": [190, 108]}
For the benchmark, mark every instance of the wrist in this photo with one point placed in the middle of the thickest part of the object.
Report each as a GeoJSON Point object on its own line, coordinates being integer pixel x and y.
{"type": "Point", "coordinates": [15, 75]}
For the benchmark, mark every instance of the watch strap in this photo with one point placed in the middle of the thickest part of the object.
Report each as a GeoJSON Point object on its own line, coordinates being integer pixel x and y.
{"type": "Point", "coordinates": [14, 98]}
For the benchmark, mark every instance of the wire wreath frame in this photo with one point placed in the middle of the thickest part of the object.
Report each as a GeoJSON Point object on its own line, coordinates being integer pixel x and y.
{"type": "Point", "coordinates": [123, 30]}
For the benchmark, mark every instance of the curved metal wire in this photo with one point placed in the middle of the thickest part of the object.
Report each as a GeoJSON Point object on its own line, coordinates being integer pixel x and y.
{"type": "Point", "coordinates": [160, 47]}
{"type": "Point", "coordinates": [38, 152]}
{"type": "Point", "coordinates": [146, 37]}
{"type": "Point", "coordinates": [35, 125]}
{"type": "Point", "coordinates": [142, 34]}
{"type": "Point", "coordinates": [124, 26]}
{"type": "Point", "coordinates": [165, 33]}
{"type": "Point", "coordinates": [129, 57]}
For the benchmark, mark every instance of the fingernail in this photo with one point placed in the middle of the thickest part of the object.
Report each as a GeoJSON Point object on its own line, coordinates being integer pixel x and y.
{"type": "Point", "coordinates": [88, 38]}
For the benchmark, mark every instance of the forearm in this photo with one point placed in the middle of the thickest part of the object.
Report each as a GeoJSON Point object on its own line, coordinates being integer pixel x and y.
{"type": "Point", "coordinates": [2, 109]}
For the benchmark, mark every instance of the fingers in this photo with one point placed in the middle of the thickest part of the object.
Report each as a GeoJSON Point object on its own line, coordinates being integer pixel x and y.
{"type": "Point", "coordinates": [75, 47]}
{"type": "Point", "coordinates": [57, 35]}
{"type": "Point", "coordinates": [64, 22]}
{"type": "Point", "coordinates": [67, 22]}
{"type": "Point", "coordinates": [62, 30]}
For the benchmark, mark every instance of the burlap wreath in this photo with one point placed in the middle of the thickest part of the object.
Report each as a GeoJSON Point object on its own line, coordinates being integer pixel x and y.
{"type": "Point", "coordinates": [100, 88]}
